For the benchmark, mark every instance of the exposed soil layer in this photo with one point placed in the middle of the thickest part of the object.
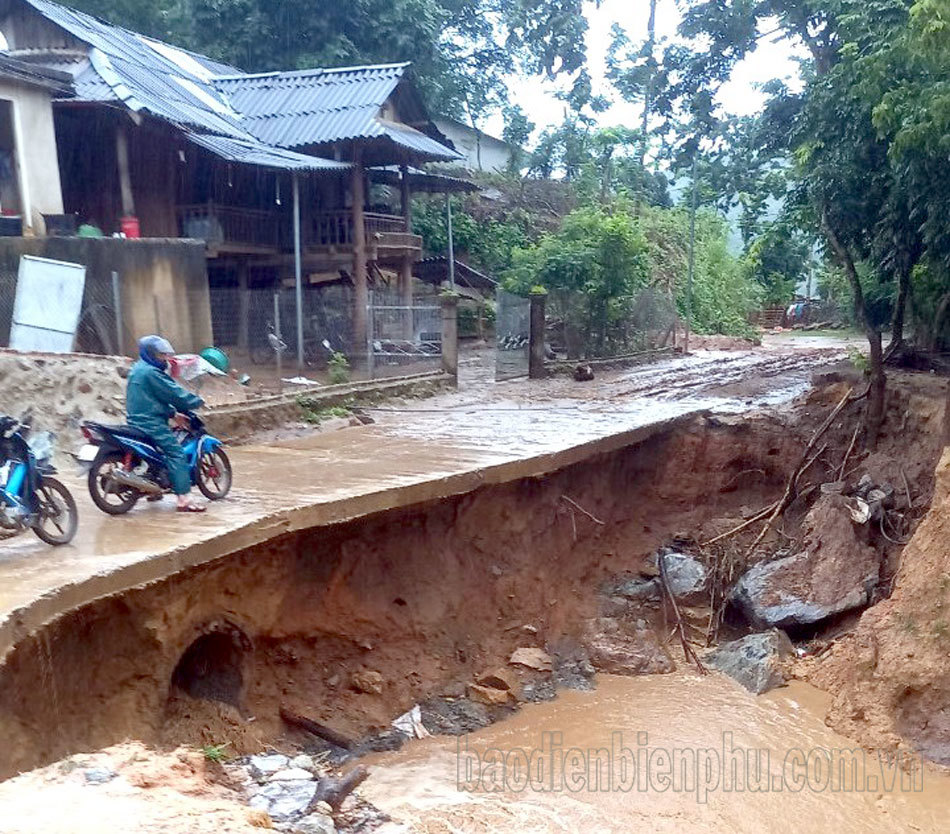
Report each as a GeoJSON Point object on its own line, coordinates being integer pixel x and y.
{"type": "Point", "coordinates": [890, 675]}
{"type": "Point", "coordinates": [352, 624]}
{"type": "Point", "coordinates": [127, 788]}
{"type": "Point", "coordinates": [424, 596]}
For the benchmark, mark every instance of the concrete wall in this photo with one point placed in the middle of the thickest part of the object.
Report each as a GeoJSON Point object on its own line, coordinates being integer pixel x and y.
{"type": "Point", "coordinates": [35, 139]}
{"type": "Point", "coordinates": [494, 154]}
{"type": "Point", "coordinates": [163, 284]}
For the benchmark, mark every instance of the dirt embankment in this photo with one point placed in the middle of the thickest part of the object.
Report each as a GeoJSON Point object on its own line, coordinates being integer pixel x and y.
{"type": "Point", "coordinates": [63, 390]}
{"type": "Point", "coordinates": [353, 624]}
{"type": "Point", "coordinates": [891, 675]}
{"type": "Point", "coordinates": [425, 597]}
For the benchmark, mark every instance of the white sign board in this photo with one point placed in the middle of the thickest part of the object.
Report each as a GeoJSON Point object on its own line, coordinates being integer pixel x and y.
{"type": "Point", "coordinates": [48, 304]}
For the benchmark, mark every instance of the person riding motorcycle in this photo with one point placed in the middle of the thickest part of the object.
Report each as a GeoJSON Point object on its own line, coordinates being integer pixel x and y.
{"type": "Point", "coordinates": [153, 398]}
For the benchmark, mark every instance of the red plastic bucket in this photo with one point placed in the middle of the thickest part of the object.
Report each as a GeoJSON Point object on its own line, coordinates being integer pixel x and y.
{"type": "Point", "coordinates": [130, 226]}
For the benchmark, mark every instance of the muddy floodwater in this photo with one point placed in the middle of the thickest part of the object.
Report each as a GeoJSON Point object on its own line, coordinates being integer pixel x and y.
{"type": "Point", "coordinates": [671, 753]}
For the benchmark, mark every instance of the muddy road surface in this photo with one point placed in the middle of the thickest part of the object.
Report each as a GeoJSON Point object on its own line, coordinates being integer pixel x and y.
{"type": "Point", "coordinates": [416, 447]}
{"type": "Point", "coordinates": [535, 414]}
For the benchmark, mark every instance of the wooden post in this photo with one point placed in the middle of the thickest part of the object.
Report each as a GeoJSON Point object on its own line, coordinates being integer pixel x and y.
{"type": "Point", "coordinates": [125, 178]}
{"type": "Point", "coordinates": [244, 306]}
{"type": "Point", "coordinates": [405, 268]}
{"type": "Point", "coordinates": [451, 237]}
{"type": "Point", "coordinates": [406, 197]}
{"type": "Point", "coordinates": [360, 274]}
{"type": "Point", "coordinates": [298, 274]}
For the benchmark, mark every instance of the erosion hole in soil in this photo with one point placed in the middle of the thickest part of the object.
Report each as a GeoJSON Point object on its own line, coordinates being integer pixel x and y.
{"type": "Point", "coordinates": [212, 667]}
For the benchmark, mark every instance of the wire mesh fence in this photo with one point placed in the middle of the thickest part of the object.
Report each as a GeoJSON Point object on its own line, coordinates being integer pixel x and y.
{"type": "Point", "coordinates": [258, 329]}
{"type": "Point", "coordinates": [403, 338]}
{"type": "Point", "coordinates": [100, 329]}
{"type": "Point", "coordinates": [583, 326]}
{"type": "Point", "coordinates": [512, 336]}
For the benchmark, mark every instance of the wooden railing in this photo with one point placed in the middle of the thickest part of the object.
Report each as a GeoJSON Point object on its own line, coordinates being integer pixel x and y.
{"type": "Point", "coordinates": [335, 228]}
{"type": "Point", "coordinates": [217, 225]}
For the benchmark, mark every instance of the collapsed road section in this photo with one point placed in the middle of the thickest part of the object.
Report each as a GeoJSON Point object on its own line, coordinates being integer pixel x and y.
{"type": "Point", "coordinates": [351, 611]}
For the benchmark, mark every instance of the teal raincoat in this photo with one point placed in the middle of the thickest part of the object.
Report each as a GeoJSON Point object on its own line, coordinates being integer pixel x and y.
{"type": "Point", "coordinates": [152, 398]}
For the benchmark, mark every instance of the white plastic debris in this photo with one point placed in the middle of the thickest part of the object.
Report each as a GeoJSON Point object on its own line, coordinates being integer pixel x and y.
{"type": "Point", "coordinates": [189, 366]}
{"type": "Point", "coordinates": [860, 510]}
{"type": "Point", "coordinates": [301, 380]}
{"type": "Point", "coordinates": [410, 724]}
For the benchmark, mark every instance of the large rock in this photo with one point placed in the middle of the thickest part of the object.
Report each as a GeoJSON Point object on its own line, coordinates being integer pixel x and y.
{"type": "Point", "coordinates": [686, 575]}
{"type": "Point", "coordinates": [754, 661]}
{"type": "Point", "coordinates": [291, 774]}
{"type": "Point", "coordinates": [490, 696]}
{"type": "Point", "coordinates": [284, 800]}
{"type": "Point", "coordinates": [261, 767]}
{"type": "Point", "coordinates": [315, 824]}
{"type": "Point", "coordinates": [532, 658]}
{"type": "Point", "coordinates": [368, 681]}
{"type": "Point", "coordinates": [620, 647]}
{"type": "Point", "coordinates": [834, 572]}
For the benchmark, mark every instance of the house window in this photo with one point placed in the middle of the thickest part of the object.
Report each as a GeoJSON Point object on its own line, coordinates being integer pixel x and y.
{"type": "Point", "coordinates": [9, 187]}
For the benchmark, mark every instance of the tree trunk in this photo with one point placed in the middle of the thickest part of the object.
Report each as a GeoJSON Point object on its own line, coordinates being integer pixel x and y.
{"type": "Point", "coordinates": [900, 307]}
{"type": "Point", "coordinates": [648, 87]}
{"type": "Point", "coordinates": [933, 339]}
{"type": "Point", "coordinates": [878, 381]}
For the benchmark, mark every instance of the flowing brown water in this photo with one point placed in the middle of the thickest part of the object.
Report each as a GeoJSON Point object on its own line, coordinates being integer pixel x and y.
{"type": "Point", "coordinates": [707, 730]}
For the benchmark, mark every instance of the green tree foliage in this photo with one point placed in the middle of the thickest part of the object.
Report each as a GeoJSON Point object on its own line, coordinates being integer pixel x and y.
{"type": "Point", "coordinates": [865, 135]}
{"type": "Point", "coordinates": [597, 266]}
{"type": "Point", "coordinates": [777, 260]}
{"type": "Point", "coordinates": [592, 268]}
{"type": "Point", "coordinates": [724, 294]}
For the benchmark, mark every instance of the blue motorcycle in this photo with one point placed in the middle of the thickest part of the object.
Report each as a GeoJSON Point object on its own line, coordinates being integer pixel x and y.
{"type": "Point", "coordinates": [30, 497]}
{"type": "Point", "coordinates": [125, 465]}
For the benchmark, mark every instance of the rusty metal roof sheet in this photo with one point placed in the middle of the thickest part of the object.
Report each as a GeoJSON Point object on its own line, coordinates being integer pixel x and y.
{"type": "Point", "coordinates": [25, 73]}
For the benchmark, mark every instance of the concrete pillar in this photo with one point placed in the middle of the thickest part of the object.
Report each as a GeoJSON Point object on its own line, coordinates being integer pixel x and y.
{"type": "Point", "coordinates": [450, 334]}
{"type": "Point", "coordinates": [244, 306]}
{"type": "Point", "coordinates": [536, 348]}
{"type": "Point", "coordinates": [405, 296]}
{"type": "Point", "coordinates": [360, 271]}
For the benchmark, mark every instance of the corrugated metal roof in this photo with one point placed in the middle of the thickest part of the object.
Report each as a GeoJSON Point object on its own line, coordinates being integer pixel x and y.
{"type": "Point", "coordinates": [142, 72]}
{"type": "Point", "coordinates": [285, 110]}
{"type": "Point", "coordinates": [317, 107]}
{"type": "Point", "coordinates": [418, 142]}
{"type": "Point", "coordinates": [294, 109]}
{"type": "Point", "coordinates": [254, 153]}
{"type": "Point", "coordinates": [420, 180]}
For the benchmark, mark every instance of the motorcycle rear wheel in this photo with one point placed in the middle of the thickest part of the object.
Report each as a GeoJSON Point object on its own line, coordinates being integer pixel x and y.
{"type": "Point", "coordinates": [115, 501]}
{"type": "Point", "coordinates": [57, 511]}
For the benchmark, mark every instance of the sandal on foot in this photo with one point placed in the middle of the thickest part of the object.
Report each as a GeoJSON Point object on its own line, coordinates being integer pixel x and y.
{"type": "Point", "coordinates": [190, 508]}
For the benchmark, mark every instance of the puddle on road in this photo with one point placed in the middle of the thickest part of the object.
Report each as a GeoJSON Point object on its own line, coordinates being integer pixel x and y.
{"type": "Point", "coordinates": [738, 763]}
